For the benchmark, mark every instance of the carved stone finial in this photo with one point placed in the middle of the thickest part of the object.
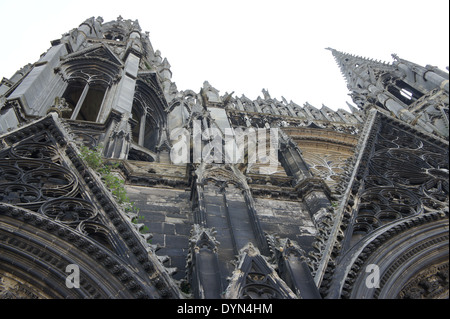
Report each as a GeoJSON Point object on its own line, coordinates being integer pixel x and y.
{"type": "Point", "coordinates": [136, 25]}
{"type": "Point", "coordinates": [211, 93]}
{"type": "Point", "coordinates": [60, 106]}
{"type": "Point", "coordinates": [266, 94]}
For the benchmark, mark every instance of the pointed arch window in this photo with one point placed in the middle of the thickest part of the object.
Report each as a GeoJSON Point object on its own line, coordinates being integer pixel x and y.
{"type": "Point", "coordinates": [149, 112]}
{"type": "Point", "coordinates": [89, 74]}
{"type": "Point", "coordinates": [401, 90]}
{"type": "Point", "coordinates": [85, 100]}
{"type": "Point", "coordinates": [146, 133]}
{"type": "Point", "coordinates": [139, 114]}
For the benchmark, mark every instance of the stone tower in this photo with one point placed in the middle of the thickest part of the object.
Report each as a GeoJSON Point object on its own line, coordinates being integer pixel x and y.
{"type": "Point", "coordinates": [149, 191]}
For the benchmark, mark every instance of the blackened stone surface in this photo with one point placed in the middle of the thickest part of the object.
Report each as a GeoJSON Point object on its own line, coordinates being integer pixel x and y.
{"type": "Point", "coordinates": [166, 213]}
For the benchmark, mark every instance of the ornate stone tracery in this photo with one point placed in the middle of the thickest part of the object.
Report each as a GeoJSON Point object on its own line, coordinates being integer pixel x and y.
{"type": "Point", "coordinates": [256, 279]}
{"type": "Point", "coordinates": [406, 176]}
{"type": "Point", "coordinates": [12, 287]}
{"type": "Point", "coordinates": [404, 182]}
{"type": "Point", "coordinates": [431, 283]}
{"type": "Point", "coordinates": [30, 178]}
{"type": "Point", "coordinates": [367, 186]}
{"type": "Point", "coordinates": [38, 189]}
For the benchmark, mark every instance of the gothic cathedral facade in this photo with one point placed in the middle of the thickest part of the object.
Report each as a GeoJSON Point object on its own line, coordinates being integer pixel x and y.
{"type": "Point", "coordinates": [107, 168]}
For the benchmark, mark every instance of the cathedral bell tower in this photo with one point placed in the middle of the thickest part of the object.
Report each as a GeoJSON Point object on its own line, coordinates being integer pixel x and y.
{"type": "Point", "coordinates": [99, 76]}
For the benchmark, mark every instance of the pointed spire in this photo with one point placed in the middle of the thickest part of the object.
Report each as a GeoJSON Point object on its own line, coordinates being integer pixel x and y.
{"type": "Point", "coordinates": [357, 70]}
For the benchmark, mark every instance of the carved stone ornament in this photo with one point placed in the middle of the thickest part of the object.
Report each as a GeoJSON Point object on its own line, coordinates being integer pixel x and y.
{"type": "Point", "coordinates": [406, 176]}
{"type": "Point", "coordinates": [254, 278]}
{"type": "Point", "coordinates": [43, 187]}
{"type": "Point", "coordinates": [431, 283]}
{"type": "Point", "coordinates": [12, 287]}
{"type": "Point", "coordinates": [401, 184]}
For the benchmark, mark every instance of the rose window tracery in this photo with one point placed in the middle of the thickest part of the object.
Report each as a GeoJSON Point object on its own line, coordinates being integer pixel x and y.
{"type": "Point", "coordinates": [34, 151]}
{"type": "Point", "coordinates": [406, 176]}
{"type": "Point", "coordinates": [258, 286]}
{"type": "Point", "coordinates": [69, 211]}
{"type": "Point", "coordinates": [30, 183]}
{"type": "Point", "coordinates": [33, 176]}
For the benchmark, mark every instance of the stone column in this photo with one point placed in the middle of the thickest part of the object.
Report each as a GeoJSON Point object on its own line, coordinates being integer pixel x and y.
{"type": "Point", "coordinates": [316, 196]}
{"type": "Point", "coordinates": [292, 160]}
{"type": "Point", "coordinates": [83, 31]}
{"type": "Point", "coordinates": [437, 80]}
{"type": "Point", "coordinates": [102, 106]}
{"type": "Point", "coordinates": [142, 128]}
{"type": "Point", "coordinates": [401, 111]}
{"type": "Point", "coordinates": [123, 100]}
{"type": "Point", "coordinates": [425, 75]}
{"type": "Point", "coordinates": [119, 141]}
{"type": "Point", "coordinates": [313, 191]}
{"type": "Point", "coordinates": [80, 102]}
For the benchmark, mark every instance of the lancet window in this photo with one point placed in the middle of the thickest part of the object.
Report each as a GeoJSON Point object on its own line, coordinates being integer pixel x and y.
{"type": "Point", "coordinates": [148, 111]}
{"type": "Point", "coordinates": [85, 100]}
{"type": "Point", "coordinates": [89, 77]}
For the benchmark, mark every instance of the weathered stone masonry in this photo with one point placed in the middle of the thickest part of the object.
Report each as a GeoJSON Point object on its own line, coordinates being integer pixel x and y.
{"type": "Point", "coordinates": [351, 189]}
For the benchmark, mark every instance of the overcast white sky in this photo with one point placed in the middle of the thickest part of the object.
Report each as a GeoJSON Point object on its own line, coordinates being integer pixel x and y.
{"type": "Point", "coordinates": [245, 45]}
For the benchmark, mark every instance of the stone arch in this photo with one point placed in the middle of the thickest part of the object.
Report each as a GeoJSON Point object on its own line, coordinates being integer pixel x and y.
{"type": "Point", "coordinates": [89, 75]}
{"type": "Point", "coordinates": [151, 110]}
{"type": "Point", "coordinates": [408, 254]}
{"type": "Point", "coordinates": [96, 64]}
{"type": "Point", "coordinates": [35, 251]}
{"type": "Point", "coordinates": [227, 175]}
